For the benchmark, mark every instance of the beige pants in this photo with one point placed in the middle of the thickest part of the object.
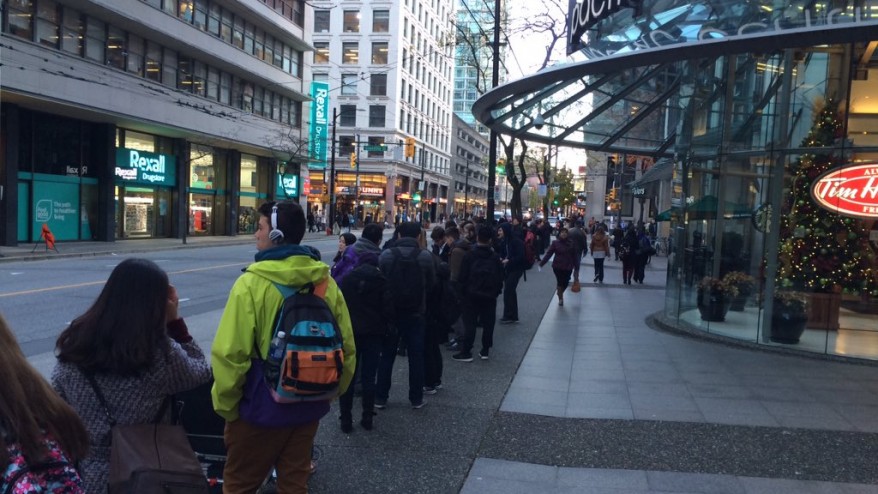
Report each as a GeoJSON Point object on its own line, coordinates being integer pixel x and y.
{"type": "Point", "coordinates": [252, 452]}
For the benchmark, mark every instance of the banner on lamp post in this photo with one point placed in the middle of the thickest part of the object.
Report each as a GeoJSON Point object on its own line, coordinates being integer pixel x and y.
{"type": "Point", "coordinates": [319, 128]}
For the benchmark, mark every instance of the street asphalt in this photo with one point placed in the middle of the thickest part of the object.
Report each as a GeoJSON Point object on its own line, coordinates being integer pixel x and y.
{"type": "Point", "coordinates": [595, 397]}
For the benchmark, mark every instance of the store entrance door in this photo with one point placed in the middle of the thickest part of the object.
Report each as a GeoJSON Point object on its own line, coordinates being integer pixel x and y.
{"type": "Point", "coordinates": [142, 212]}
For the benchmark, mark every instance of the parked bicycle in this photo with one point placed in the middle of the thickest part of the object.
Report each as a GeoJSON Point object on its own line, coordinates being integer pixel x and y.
{"type": "Point", "coordinates": [660, 245]}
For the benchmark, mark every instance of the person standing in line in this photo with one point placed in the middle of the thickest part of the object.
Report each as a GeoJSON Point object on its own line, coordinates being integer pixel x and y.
{"type": "Point", "coordinates": [136, 348]}
{"type": "Point", "coordinates": [618, 235]}
{"type": "Point", "coordinates": [345, 240]}
{"type": "Point", "coordinates": [562, 263]}
{"type": "Point", "coordinates": [481, 279]}
{"type": "Point", "coordinates": [510, 248]}
{"type": "Point", "coordinates": [629, 245]}
{"type": "Point", "coordinates": [36, 426]}
{"type": "Point", "coordinates": [277, 435]}
{"type": "Point", "coordinates": [600, 250]}
{"type": "Point", "coordinates": [458, 248]}
{"type": "Point", "coordinates": [370, 304]}
{"type": "Point", "coordinates": [410, 276]}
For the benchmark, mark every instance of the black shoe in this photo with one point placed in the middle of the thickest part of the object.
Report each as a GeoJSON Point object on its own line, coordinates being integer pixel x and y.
{"type": "Point", "coordinates": [346, 424]}
{"type": "Point", "coordinates": [463, 357]}
{"type": "Point", "coordinates": [483, 354]}
{"type": "Point", "coordinates": [401, 352]}
{"type": "Point", "coordinates": [595, 279]}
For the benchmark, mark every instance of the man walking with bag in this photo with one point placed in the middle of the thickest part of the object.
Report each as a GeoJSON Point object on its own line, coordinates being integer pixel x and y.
{"type": "Point", "coordinates": [261, 433]}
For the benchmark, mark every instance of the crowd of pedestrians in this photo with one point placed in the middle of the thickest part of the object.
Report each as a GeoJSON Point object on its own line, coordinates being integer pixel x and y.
{"type": "Point", "coordinates": [120, 360]}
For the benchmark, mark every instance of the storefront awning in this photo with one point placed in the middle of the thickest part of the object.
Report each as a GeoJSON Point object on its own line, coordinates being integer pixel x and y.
{"type": "Point", "coordinates": [706, 209]}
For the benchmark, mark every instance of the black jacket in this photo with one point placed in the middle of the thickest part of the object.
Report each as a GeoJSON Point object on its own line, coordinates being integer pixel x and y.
{"type": "Point", "coordinates": [512, 248]}
{"type": "Point", "coordinates": [369, 301]}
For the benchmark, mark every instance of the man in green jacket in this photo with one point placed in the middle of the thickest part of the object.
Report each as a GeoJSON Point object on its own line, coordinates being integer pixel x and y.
{"type": "Point", "coordinates": [284, 438]}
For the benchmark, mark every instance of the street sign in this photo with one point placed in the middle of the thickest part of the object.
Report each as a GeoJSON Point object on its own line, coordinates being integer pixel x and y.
{"type": "Point", "coordinates": [375, 148]}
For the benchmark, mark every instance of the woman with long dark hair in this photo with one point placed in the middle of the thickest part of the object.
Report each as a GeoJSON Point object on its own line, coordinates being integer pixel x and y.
{"type": "Point", "coordinates": [139, 351]}
{"type": "Point", "coordinates": [36, 426]}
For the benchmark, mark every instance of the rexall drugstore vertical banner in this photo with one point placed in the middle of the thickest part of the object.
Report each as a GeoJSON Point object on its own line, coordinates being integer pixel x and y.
{"type": "Point", "coordinates": [56, 203]}
{"type": "Point", "coordinates": [319, 130]}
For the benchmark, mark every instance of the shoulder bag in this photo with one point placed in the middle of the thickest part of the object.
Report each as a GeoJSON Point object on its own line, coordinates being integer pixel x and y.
{"type": "Point", "coordinates": [151, 458]}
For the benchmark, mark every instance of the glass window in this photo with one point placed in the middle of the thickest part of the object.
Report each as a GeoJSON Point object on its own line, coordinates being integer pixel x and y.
{"type": "Point", "coordinates": [116, 48]}
{"type": "Point", "coordinates": [287, 63]}
{"type": "Point", "coordinates": [346, 145]}
{"type": "Point", "coordinates": [285, 110]}
{"type": "Point", "coordinates": [278, 59]}
{"type": "Point", "coordinates": [380, 21]}
{"type": "Point", "coordinates": [268, 54]}
{"type": "Point", "coordinates": [350, 53]}
{"type": "Point", "coordinates": [48, 22]}
{"type": "Point", "coordinates": [296, 60]}
{"type": "Point", "coordinates": [351, 21]}
{"type": "Point", "coordinates": [321, 77]}
{"type": "Point", "coordinates": [72, 31]}
{"type": "Point", "coordinates": [134, 63]}
{"type": "Point", "coordinates": [185, 10]}
{"type": "Point", "coordinates": [238, 32]}
{"type": "Point", "coordinates": [376, 115]}
{"type": "Point", "coordinates": [349, 84]}
{"type": "Point", "coordinates": [170, 6]}
{"type": "Point", "coordinates": [153, 61]}
{"type": "Point", "coordinates": [259, 100]}
{"type": "Point", "coordinates": [321, 21]}
{"type": "Point", "coordinates": [214, 19]}
{"type": "Point", "coordinates": [184, 74]}
{"type": "Point", "coordinates": [321, 52]}
{"type": "Point", "coordinates": [296, 114]}
{"type": "Point", "coordinates": [376, 141]}
{"type": "Point", "coordinates": [259, 44]}
{"type": "Point", "coordinates": [249, 37]}
{"type": "Point", "coordinates": [226, 28]}
{"type": "Point", "coordinates": [20, 15]}
{"type": "Point", "coordinates": [199, 79]}
{"type": "Point", "coordinates": [169, 68]}
{"type": "Point", "coordinates": [347, 116]}
{"type": "Point", "coordinates": [379, 52]}
{"type": "Point", "coordinates": [225, 88]}
{"type": "Point", "coordinates": [378, 85]}
{"type": "Point", "coordinates": [95, 40]}
{"type": "Point", "coordinates": [200, 19]}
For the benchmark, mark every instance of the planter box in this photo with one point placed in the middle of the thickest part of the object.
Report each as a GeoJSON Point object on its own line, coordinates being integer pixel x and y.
{"type": "Point", "coordinates": [823, 309]}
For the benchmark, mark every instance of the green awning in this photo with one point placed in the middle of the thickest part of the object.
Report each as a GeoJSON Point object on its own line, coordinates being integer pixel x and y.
{"type": "Point", "coordinates": [664, 216]}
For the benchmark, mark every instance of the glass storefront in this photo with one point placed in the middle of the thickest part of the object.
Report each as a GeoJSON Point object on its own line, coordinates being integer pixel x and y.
{"type": "Point", "coordinates": [143, 212]}
{"type": "Point", "coordinates": [365, 203]}
{"type": "Point", "coordinates": [144, 181]}
{"type": "Point", "coordinates": [768, 118]}
{"type": "Point", "coordinates": [204, 187]}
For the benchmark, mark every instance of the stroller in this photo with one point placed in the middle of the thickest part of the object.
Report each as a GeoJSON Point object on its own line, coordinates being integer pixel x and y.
{"type": "Point", "coordinates": [205, 431]}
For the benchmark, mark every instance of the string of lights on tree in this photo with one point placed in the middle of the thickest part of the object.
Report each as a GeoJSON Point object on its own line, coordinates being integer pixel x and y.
{"type": "Point", "coordinates": [820, 250]}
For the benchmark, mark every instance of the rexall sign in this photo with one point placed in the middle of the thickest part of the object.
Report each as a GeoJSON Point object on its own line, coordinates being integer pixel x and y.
{"type": "Point", "coordinates": [319, 129]}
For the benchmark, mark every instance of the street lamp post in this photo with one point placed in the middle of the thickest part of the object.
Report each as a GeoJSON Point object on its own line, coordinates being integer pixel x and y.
{"type": "Point", "coordinates": [466, 191]}
{"type": "Point", "coordinates": [331, 221]}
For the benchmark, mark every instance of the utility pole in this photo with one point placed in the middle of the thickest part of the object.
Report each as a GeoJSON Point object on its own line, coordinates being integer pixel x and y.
{"type": "Point", "coordinates": [495, 80]}
{"type": "Point", "coordinates": [466, 190]}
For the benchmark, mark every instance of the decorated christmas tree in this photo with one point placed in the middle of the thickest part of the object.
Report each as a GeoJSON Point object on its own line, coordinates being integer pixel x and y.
{"type": "Point", "coordinates": [820, 250]}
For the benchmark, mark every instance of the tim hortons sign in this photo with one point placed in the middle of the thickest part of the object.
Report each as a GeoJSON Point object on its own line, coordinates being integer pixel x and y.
{"type": "Point", "coordinates": [849, 191]}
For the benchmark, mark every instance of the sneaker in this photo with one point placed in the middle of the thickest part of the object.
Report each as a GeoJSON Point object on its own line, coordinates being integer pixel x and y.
{"type": "Point", "coordinates": [380, 404]}
{"type": "Point", "coordinates": [483, 354]}
{"type": "Point", "coordinates": [416, 406]}
{"type": "Point", "coordinates": [463, 357]}
{"type": "Point", "coordinates": [508, 321]}
{"type": "Point", "coordinates": [430, 390]}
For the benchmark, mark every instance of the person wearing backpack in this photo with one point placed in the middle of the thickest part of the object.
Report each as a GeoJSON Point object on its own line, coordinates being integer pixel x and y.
{"type": "Point", "coordinates": [511, 251]}
{"type": "Point", "coordinates": [481, 279]}
{"type": "Point", "coordinates": [410, 275]}
{"type": "Point", "coordinates": [260, 432]}
{"type": "Point", "coordinates": [138, 351]}
{"type": "Point", "coordinates": [41, 435]}
{"type": "Point", "coordinates": [370, 304]}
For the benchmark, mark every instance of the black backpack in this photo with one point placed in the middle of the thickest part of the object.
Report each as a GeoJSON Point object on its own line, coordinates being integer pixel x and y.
{"type": "Point", "coordinates": [406, 281]}
{"type": "Point", "coordinates": [364, 290]}
{"type": "Point", "coordinates": [485, 276]}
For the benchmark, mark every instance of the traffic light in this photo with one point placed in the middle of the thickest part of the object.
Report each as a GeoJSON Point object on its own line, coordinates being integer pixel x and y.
{"type": "Point", "coordinates": [353, 159]}
{"type": "Point", "coordinates": [409, 147]}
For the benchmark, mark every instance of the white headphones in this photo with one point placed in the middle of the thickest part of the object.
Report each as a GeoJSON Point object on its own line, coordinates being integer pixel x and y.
{"type": "Point", "coordinates": [275, 235]}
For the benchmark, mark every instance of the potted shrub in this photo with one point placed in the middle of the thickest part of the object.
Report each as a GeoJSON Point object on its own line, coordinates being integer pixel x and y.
{"type": "Point", "coordinates": [745, 285]}
{"type": "Point", "coordinates": [714, 298]}
{"type": "Point", "coordinates": [789, 316]}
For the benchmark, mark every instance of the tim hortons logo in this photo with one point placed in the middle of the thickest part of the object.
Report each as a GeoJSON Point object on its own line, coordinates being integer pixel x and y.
{"type": "Point", "coordinates": [849, 191]}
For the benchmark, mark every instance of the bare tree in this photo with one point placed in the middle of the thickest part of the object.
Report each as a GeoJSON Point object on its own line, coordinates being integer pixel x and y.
{"type": "Point", "coordinates": [290, 147]}
{"type": "Point", "coordinates": [548, 21]}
